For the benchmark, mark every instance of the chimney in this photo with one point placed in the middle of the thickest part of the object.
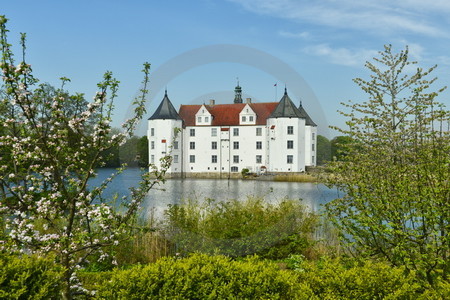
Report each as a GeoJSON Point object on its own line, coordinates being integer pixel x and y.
{"type": "Point", "coordinates": [212, 102]}
{"type": "Point", "coordinates": [249, 100]}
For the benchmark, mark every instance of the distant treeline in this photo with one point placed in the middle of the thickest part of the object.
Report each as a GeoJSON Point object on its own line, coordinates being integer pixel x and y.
{"type": "Point", "coordinates": [134, 153]}
{"type": "Point", "coordinates": [334, 149]}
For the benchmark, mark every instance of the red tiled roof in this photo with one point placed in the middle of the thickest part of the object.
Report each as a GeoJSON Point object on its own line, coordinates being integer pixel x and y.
{"type": "Point", "coordinates": [227, 114]}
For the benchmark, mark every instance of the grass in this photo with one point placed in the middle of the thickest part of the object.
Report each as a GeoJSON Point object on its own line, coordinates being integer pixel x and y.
{"type": "Point", "coordinates": [295, 178]}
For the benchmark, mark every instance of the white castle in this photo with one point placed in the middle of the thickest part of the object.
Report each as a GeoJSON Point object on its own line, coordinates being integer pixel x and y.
{"type": "Point", "coordinates": [222, 139]}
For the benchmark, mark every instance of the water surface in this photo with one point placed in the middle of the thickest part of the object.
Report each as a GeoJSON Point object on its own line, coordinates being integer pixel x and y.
{"type": "Point", "coordinates": [174, 190]}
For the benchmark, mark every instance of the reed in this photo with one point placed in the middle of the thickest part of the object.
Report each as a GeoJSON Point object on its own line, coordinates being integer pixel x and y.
{"type": "Point", "coordinates": [295, 178]}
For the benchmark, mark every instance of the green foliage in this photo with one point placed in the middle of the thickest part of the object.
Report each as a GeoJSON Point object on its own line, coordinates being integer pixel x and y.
{"type": "Point", "coordinates": [340, 147]}
{"type": "Point", "coordinates": [202, 277]}
{"type": "Point", "coordinates": [238, 228]}
{"type": "Point", "coordinates": [337, 279]}
{"type": "Point", "coordinates": [29, 277]}
{"type": "Point", "coordinates": [395, 174]}
{"type": "Point", "coordinates": [245, 172]}
{"type": "Point", "coordinates": [323, 150]}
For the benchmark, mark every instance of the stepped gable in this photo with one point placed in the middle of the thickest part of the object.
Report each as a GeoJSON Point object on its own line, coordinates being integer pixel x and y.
{"type": "Point", "coordinates": [308, 120]}
{"type": "Point", "coordinates": [286, 108]}
{"type": "Point", "coordinates": [227, 114]}
{"type": "Point", "coordinates": [165, 110]}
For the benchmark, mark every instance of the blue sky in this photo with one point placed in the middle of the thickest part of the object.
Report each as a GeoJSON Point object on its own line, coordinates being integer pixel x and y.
{"type": "Point", "coordinates": [198, 48]}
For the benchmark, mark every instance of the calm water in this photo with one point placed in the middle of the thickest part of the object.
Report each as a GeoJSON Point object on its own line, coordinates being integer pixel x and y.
{"type": "Point", "coordinates": [174, 190]}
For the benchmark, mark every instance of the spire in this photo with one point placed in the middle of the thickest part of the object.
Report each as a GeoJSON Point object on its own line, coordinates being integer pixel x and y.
{"type": "Point", "coordinates": [286, 108]}
{"type": "Point", "coordinates": [165, 110]}
{"type": "Point", "coordinates": [237, 93]}
{"type": "Point", "coordinates": [304, 114]}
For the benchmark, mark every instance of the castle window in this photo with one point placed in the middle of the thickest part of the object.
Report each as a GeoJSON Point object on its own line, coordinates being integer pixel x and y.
{"type": "Point", "coordinates": [192, 158]}
{"type": "Point", "coordinates": [258, 131]}
{"type": "Point", "coordinates": [313, 136]}
{"type": "Point", "coordinates": [152, 159]}
{"type": "Point", "coordinates": [199, 119]}
{"type": "Point", "coordinates": [235, 159]}
{"type": "Point", "coordinates": [175, 159]}
{"type": "Point", "coordinates": [258, 159]}
{"type": "Point", "coordinates": [234, 169]}
{"type": "Point", "coordinates": [259, 145]}
{"type": "Point", "coordinates": [214, 159]}
{"type": "Point", "coordinates": [312, 147]}
{"type": "Point", "coordinates": [192, 145]}
{"type": "Point", "coordinates": [313, 159]}
{"type": "Point", "coordinates": [152, 131]}
{"type": "Point", "coordinates": [192, 132]}
{"type": "Point", "coordinates": [250, 118]}
{"type": "Point", "coordinates": [290, 159]}
{"type": "Point", "coordinates": [235, 131]}
{"type": "Point", "coordinates": [152, 145]}
{"type": "Point", "coordinates": [290, 144]}
{"type": "Point", "coordinates": [235, 145]}
{"type": "Point", "coordinates": [213, 131]}
{"type": "Point", "coordinates": [214, 145]}
{"type": "Point", "coordinates": [290, 130]}
{"type": "Point", "coordinates": [175, 145]}
{"type": "Point", "coordinates": [244, 118]}
{"type": "Point", "coordinates": [206, 119]}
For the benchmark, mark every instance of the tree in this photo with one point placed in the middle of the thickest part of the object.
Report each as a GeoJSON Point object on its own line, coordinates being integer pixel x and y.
{"type": "Point", "coordinates": [142, 151]}
{"type": "Point", "coordinates": [50, 144]}
{"type": "Point", "coordinates": [340, 147]}
{"type": "Point", "coordinates": [323, 150]}
{"type": "Point", "coordinates": [396, 172]}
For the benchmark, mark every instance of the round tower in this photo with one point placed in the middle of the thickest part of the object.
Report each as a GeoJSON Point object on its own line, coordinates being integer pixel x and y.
{"type": "Point", "coordinates": [165, 137]}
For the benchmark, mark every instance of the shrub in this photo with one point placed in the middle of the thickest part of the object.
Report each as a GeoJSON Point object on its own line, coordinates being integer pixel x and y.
{"type": "Point", "coordinates": [238, 228]}
{"type": "Point", "coordinates": [29, 277]}
{"type": "Point", "coordinates": [203, 277]}
{"type": "Point", "coordinates": [339, 279]}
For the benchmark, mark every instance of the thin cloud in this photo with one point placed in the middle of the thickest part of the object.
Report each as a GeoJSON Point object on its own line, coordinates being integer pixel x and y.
{"type": "Point", "coordinates": [443, 60]}
{"type": "Point", "coordinates": [294, 35]}
{"type": "Point", "coordinates": [341, 56]}
{"type": "Point", "coordinates": [382, 17]}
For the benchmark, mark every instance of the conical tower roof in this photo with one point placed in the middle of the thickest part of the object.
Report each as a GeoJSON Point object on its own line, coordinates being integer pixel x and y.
{"type": "Point", "coordinates": [286, 108]}
{"type": "Point", "coordinates": [165, 110]}
{"type": "Point", "coordinates": [308, 120]}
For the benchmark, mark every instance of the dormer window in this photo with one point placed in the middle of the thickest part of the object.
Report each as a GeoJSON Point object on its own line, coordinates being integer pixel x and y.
{"type": "Point", "coordinates": [203, 117]}
{"type": "Point", "coordinates": [247, 116]}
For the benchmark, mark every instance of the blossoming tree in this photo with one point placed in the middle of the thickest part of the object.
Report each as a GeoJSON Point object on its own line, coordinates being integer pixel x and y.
{"type": "Point", "coordinates": [395, 172]}
{"type": "Point", "coordinates": [50, 145]}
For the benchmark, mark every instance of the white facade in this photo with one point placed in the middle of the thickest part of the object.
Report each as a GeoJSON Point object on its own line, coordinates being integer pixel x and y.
{"type": "Point", "coordinates": [227, 138]}
{"type": "Point", "coordinates": [163, 139]}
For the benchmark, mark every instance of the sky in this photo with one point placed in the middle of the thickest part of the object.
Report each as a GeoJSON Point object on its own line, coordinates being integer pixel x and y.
{"type": "Point", "coordinates": [200, 49]}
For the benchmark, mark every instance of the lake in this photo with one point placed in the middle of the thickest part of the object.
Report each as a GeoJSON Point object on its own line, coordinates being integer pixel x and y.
{"type": "Point", "coordinates": [173, 191]}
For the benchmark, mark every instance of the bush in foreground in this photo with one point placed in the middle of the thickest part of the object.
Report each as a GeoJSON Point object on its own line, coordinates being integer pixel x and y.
{"type": "Point", "coordinates": [203, 277]}
{"type": "Point", "coordinates": [217, 277]}
{"type": "Point", "coordinates": [29, 277]}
